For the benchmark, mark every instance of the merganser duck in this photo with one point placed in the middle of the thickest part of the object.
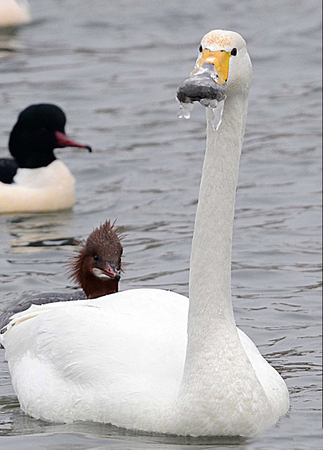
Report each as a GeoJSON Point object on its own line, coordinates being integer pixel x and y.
{"type": "Point", "coordinates": [14, 12]}
{"type": "Point", "coordinates": [35, 181]}
{"type": "Point", "coordinates": [150, 359]}
{"type": "Point", "coordinates": [97, 265]}
{"type": "Point", "coordinates": [96, 269]}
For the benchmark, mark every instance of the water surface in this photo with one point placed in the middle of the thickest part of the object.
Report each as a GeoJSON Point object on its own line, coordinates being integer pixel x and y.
{"type": "Point", "coordinates": [114, 68]}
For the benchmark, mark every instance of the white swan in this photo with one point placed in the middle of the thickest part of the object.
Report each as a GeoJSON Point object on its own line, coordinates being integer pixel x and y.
{"type": "Point", "coordinates": [14, 12]}
{"type": "Point", "coordinates": [127, 359]}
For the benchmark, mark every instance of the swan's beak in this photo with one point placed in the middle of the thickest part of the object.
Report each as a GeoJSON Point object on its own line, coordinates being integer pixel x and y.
{"type": "Point", "coordinates": [219, 60]}
{"type": "Point", "coordinates": [208, 81]}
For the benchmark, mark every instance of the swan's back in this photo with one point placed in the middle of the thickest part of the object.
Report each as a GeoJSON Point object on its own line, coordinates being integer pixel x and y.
{"type": "Point", "coordinates": [100, 359]}
{"type": "Point", "coordinates": [117, 359]}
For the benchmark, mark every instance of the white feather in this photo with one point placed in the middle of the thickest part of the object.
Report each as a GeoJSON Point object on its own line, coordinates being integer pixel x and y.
{"type": "Point", "coordinates": [42, 189]}
{"type": "Point", "coordinates": [14, 12]}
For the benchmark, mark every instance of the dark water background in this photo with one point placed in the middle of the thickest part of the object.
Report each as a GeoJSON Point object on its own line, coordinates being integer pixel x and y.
{"type": "Point", "coordinates": [114, 68]}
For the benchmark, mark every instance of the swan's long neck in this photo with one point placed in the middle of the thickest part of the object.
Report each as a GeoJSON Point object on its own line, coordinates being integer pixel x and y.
{"type": "Point", "coordinates": [210, 274]}
{"type": "Point", "coordinates": [215, 358]}
{"type": "Point", "coordinates": [219, 384]}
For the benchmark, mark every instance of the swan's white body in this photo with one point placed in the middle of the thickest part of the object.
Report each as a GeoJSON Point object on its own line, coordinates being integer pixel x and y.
{"type": "Point", "coordinates": [14, 12]}
{"type": "Point", "coordinates": [150, 359]}
{"type": "Point", "coordinates": [120, 359]}
{"type": "Point", "coordinates": [42, 189]}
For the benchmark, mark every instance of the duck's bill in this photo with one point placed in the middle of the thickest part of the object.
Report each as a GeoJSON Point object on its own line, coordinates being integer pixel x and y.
{"type": "Point", "coordinates": [202, 86]}
{"type": "Point", "coordinates": [64, 141]}
{"type": "Point", "coordinates": [108, 271]}
{"type": "Point", "coordinates": [111, 273]}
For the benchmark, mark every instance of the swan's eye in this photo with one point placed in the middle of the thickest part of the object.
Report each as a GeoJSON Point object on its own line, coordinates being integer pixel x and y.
{"type": "Point", "coordinates": [200, 49]}
{"type": "Point", "coordinates": [234, 51]}
{"type": "Point", "coordinates": [96, 257]}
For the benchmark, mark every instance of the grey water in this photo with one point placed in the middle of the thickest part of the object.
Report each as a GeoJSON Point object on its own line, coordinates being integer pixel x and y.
{"type": "Point", "coordinates": [114, 68]}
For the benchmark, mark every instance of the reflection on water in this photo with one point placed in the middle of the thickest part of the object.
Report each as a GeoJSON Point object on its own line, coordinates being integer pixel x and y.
{"type": "Point", "coordinates": [29, 234]}
{"type": "Point", "coordinates": [114, 69]}
{"type": "Point", "coordinates": [9, 42]}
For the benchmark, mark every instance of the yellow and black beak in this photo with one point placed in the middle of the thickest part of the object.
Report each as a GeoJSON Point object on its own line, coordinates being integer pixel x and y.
{"type": "Point", "coordinates": [219, 60]}
{"type": "Point", "coordinates": [207, 83]}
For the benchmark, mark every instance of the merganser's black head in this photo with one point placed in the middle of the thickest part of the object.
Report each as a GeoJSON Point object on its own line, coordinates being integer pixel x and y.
{"type": "Point", "coordinates": [97, 265]}
{"type": "Point", "coordinates": [38, 131]}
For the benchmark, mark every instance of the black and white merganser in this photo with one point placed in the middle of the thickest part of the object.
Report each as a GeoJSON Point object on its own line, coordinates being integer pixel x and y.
{"type": "Point", "coordinates": [34, 180]}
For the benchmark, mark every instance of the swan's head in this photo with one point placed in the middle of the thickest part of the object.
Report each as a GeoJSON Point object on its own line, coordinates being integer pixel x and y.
{"type": "Point", "coordinates": [97, 265]}
{"type": "Point", "coordinates": [222, 67]}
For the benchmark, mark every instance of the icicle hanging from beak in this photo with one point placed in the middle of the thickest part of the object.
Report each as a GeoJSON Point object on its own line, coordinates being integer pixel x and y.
{"type": "Point", "coordinates": [184, 110]}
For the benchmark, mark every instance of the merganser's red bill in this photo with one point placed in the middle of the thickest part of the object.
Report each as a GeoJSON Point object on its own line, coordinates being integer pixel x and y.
{"type": "Point", "coordinates": [63, 141]}
{"type": "Point", "coordinates": [111, 272]}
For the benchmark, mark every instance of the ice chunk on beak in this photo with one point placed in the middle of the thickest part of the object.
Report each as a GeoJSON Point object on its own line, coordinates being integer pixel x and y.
{"type": "Point", "coordinates": [217, 114]}
{"type": "Point", "coordinates": [184, 110]}
{"type": "Point", "coordinates": [202, 87]}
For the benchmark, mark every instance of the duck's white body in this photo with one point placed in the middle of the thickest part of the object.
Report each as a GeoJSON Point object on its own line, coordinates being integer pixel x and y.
{"type": "Point", "coordinates": [42, 189]}
{"type": "Point", "coordinates": [14, 12]}
{"type": "Point", "coordinates": [33, 180]}
{"type": "Point", "coordinates": [150, 359]}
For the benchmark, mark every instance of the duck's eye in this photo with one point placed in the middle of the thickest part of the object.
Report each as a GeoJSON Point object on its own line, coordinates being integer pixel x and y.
{"type": "Point", "coordinates": [234, 51]}
{"type": "Point", "coordinates": [200, 49]}
{"type": "Point", "coordinates": [96, 257]}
